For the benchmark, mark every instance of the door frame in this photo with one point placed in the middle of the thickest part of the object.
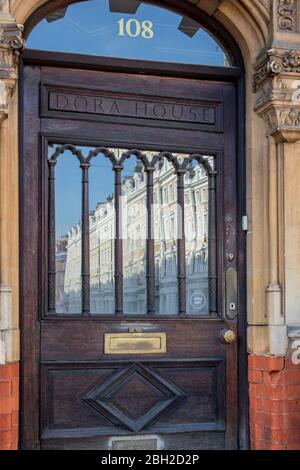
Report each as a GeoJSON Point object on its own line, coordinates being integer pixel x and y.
{"type": "Point", "coordinates": [30, 368]}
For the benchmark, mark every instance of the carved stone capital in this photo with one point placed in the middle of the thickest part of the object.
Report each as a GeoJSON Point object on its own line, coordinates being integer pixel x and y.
{"type": "Point", "coordinates": [273, 63]}
{"type": "Point", "coordinates": [11, 37]}
{"type": "Point", "coordinates": [277, 85]}
{"type": "Point", "coordinates": [11, 44]}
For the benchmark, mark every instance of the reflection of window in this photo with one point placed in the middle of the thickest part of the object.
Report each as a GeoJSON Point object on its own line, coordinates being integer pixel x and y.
{"type": "Point", "coordinates": [171, 193]}
{"type": "Point", "coordinates": [172, 227]}
{"type": "Point", "coordinates": [205, 224]}
{"type": "Point", "coordinates": [165, 196]}
{"type": "Point", "coordinates": [166, 228]}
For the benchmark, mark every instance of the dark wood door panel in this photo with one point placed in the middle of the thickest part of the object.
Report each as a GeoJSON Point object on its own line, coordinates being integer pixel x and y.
{"type": "Point", "coordinates": [84, 341]}
{"type": "Point", "coordinates": [148, 397]}
{"type": "Point", "coordinates": [136, 83]}
{"type": "Point", "coordinates": [124, 135]}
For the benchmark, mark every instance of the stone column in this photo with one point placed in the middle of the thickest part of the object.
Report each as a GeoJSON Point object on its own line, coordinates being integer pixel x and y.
{"type": "Point", "coordinates": [11, 43]}
{"type": "Point", "coordinates": [274, 371]}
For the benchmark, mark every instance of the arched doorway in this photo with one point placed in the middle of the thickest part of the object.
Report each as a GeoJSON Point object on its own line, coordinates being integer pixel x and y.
{"type": "Point", "coordinates": [133, 250]}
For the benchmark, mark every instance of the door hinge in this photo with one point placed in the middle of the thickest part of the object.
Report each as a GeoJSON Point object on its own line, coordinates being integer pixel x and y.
{"type": "Point", "coordinates": [245, 223]}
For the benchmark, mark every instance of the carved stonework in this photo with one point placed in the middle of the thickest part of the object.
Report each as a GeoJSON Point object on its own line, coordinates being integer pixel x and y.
{"type": "Point", "coordinates": [287, 15]}
{"type": "Point", "coordinates": [277, 85]}
{"type": "Point", "coordinates": [291, 61]}
{"type": "Point", "coordinates": [290, 118]}
{"type": "Point", "coordinates": [11, 37]}
{"type": "Point", "coordinates": [265, 68]}
{"type": "Point", "coordinates": [275, 62]}
{"type": "Point", "coordinates": [11, 44]}
{"type": "Point", "coordinates": [283, 123]}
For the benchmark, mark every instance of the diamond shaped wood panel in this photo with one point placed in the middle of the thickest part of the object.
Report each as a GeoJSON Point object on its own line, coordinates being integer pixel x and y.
{"type": "Point", "coordinates": [134, 397]}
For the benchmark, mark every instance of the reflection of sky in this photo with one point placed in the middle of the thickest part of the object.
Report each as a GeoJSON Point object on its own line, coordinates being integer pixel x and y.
{"type": "Point", "coordinates": [68, 186]}
{"type": "Point", "coordinates": [90, 28]}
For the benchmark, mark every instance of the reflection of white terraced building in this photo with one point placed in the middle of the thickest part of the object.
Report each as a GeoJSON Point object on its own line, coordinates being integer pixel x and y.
{"type": "Point", "coordinates": [134, 218]}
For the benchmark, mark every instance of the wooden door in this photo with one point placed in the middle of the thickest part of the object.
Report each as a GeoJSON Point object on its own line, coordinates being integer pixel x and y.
{"type": "Point", "coordinates": [142, 354]}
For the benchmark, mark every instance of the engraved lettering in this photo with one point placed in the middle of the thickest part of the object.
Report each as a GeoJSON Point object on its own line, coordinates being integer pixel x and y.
{"type": "Point", "coordinates": [207, 114]}
{"type": "Point", "coordinates": [62, 101]}
{"type": "Point", "coordinates": [175, 113]}
{"type": "Point", "coordinates": [141, 109]}
{"type": "Point", "coordinates": [81, 103]}
{"type": "Point", "coordinates": [73, 102]}
{"type": "Point", "coordinates": [193, 113]}
{"type": "Point", "coordinates": [114, 108]}
{"type": "Point", "coordinates": [159, 111]}
{"type": "Point", "coordinates": [98, 105]}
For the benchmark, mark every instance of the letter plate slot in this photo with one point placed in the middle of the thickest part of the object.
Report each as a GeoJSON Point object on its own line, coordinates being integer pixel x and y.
{"type": "Point", "coordinates": [135, 343]}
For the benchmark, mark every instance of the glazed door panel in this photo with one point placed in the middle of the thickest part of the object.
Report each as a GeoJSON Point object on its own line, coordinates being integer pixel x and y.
{"type": "Point", "coordinates": [127, 311]}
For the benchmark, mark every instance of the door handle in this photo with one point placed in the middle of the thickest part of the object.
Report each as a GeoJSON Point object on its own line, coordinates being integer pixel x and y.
{"type": "Point", "coordinates": [227, 336]}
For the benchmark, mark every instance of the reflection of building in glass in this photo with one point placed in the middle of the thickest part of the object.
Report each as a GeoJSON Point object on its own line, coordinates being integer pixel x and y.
{"type": "Point", "coordinates": [134, 217]}
{"type": "Point", "coordinates": [61, 259]}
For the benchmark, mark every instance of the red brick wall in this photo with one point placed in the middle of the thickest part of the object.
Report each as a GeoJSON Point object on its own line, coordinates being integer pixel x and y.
{"type": "Point", "coordinates": [274, 388]}
{"type": "Point", "coordinates": [9, 406]}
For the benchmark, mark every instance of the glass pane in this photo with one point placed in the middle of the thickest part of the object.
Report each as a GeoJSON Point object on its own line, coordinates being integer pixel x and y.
{"type": "Point", "coordinates": [102, 236]}
{"type": "Point", "coordinates": [165, 231]}
{"type": "Point", "coordinates": [68, 233]}
{"type": "Point", "coordinates": [134, 218]}
{"type": "Point", "coordinates": [196, 233]}
{"type": "Point", "coordinates": [131, 29]}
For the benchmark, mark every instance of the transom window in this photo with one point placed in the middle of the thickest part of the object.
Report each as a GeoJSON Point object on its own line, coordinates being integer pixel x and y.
{"type": "Point", "coordinates": [127, 29]}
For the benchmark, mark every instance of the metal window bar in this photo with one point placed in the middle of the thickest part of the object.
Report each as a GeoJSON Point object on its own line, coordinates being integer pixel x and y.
{"type": "Point", "coordinates": [51, 239]}
{"type": "Point", "coordinates": [85, 240]}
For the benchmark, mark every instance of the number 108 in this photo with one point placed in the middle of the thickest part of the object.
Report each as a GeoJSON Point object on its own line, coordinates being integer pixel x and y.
{"type": "Point", "coordinates": [135, 28]}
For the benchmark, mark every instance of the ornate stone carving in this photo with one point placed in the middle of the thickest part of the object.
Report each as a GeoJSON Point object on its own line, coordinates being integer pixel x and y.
{"type": "Point", "coordinates": [276, 82]}
{"type": "Point", "coordinates": [283, 123]}
{"type": "Point", "coordinates": [273, 63]}
{"type": "Point", "coordinates": [290, 118]}
{"type": "Point", "coordinates": [291, 61]}
{"type": "Point", "coordinates": [287, 15]}
{"type": "Point", "coordinates": [11, 37]}
{"type": "Point", "coordinates": [11, 43]}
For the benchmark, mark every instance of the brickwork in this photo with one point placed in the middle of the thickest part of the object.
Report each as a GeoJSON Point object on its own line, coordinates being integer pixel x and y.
{"type": "Point", "coordinates": [9, 406]}
{"type": "Point", "coordinates": [274, 387]}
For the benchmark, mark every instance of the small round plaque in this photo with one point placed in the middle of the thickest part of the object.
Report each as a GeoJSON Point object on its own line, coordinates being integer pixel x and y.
{"type": "Point", "coordinates": [198, 301]}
